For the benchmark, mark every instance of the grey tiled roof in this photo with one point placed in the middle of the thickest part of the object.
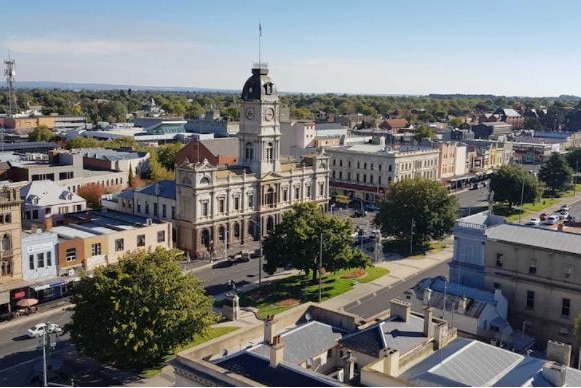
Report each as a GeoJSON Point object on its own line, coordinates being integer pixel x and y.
{"type": "Point", "coordinates": [536, 237]}
{"type": "Point", "coordinates": [167, 189]}
{"type": "Point", "coordinates": [304, 341]}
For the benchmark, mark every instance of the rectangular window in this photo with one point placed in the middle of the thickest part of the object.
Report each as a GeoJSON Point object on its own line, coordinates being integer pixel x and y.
{"type": "Point", "coordinates": [35, 214]}
{"type": "Point", "coordinates": [533, 266]}
{"type": "Point", "coordinates": [63, 210]}
{"type": "Point", "coordinates": [138, 206]}
{"type": "Point", "coordinates": [119, 245]}
{"type": "Point", "coordinates": [71, 254]}
{"type": "Point", "coordinates": [285, 194]}
{"type": "Point", "coordinates": [40, 260]}
{"type": "Point", "coordinates": [96, 249]}
{"type": "Point", "coordinates": [47, 211]}
{"type": "Point", "coordinates": [297, 192]}
{"type": "Point", "coordinates": [497, 286]}
{"type": "Point", "coordinates": [250, 201]}
{"type": "Point", "coordinates": [164, 210]}
{"type": "Point", "coordinates": [530, 299]}
{"type": "Point", "coordinates": [49, 259]}
{"type": "Point", "coordinates": [566, 307]}
{"type": "Point", "coordinates": [146, 207]}
{"type": "Point", "coordinates": [205, 208]}
{"type": "Point", "coordinates": [173, 212]}
{"type": "Point", "coordinates": [236, 203]}
{"type": "Point", "coordinates": [221, 205]}
{"type": "Point", "coordinates": [31, 261]}
{"type": "Point", "coordinates": [161, 236]}
{"type": "Point", "coordinates": [321, 189]}
{"type": "Point", "coordinates": [141, 240]}
{"type": "Point", "coordinates": [155, 209]}
{"type": "Point", "coordinates": [499, 260]}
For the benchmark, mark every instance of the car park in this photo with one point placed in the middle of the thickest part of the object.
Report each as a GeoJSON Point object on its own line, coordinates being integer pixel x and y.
{"type": "Point", "coordinates": [39, 329]}
{"type": "Point", "coordinates": [534, 222]}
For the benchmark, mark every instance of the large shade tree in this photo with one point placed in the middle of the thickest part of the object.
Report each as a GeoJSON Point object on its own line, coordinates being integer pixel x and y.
{"type": "Point", "coordinates": [512, 184]}
{"type": "Point", "coordinates": [133, 313]}
{"type": "Point", "coordinates": [556, 173]}
{"type": "Point", "coordinates": [424, 201]}
{"type": "Point", "coordinates": [297, 241]}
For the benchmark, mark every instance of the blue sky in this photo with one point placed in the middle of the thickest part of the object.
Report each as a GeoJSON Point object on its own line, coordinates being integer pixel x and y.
{"type": "Point", "coordinates": [508, 47]}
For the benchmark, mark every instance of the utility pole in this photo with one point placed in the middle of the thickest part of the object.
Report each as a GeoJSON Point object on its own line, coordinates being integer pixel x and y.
{"type": "Point", "coordinates": [412, 231]}
{"type": "Point", "coordinates": [522, 194]}
{"type": "Point", "coordinates": [47, 345]}
{"type": "Point", "coordinates": [320, 265]}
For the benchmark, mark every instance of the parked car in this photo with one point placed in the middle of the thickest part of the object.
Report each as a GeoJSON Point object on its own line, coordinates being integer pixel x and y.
{"type": "Point", "coordinates": [552, 220]}
{"type": "Point", "coordinates": [565, 207]}
{"type": "Point", "coordinates": [534, 222]}
{"type": "Point", "coordinates": [371, 207]}
{"type": "Point", "coordinates": [39, 329]}
{"type": "Point", "coordinates": [543, 216]}
{"type": "Point", "coordinates": [563, 214]}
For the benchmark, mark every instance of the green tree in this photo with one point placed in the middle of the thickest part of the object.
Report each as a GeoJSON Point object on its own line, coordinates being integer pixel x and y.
{"type": "Point", "coordinates": [556, 173]}
{"type": "Point", "coordinates": [131, 176]}
{"type": "Point", "coordinates": [512, 184]}
{"type": "Point", "coordinates": [296, 240]}
{"type": "Point", "coordinates": [135, 312]}
{"type": "Point", "coordinates": [456, 122]}
{"type": "Point", "coordinates": [574, 159]}
{"type": "Point", "coordinates": [424, 201]}
{"type": "Point", "coordinates": [82, 142]}
{"type": "Point", "coordinates": [41, 133]}
{"type": "Point", "coordinates": [167, 155]}
{"type": "Point", "coordinates": [423, 131]}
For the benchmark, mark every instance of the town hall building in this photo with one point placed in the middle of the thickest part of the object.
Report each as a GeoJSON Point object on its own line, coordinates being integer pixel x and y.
{"type": "Point", "coordinates": [219, 205]}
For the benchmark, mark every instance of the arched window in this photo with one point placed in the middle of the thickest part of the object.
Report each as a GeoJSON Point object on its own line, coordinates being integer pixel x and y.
{"type": "Point", "coordinates": [204, 181]}
{"type": "Point", "coordinates": [249, 152]}
{"type": "Point", "coordinates": [269, 151]}
{"type": "Point", "coordinates": [6, 242]}
{"type": "Point", "coordinates": [270, 224]}
{"type": "Point", "coordinates": [222, 233]}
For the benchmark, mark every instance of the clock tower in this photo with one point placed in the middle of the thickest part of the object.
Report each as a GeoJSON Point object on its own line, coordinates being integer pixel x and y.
{"type": "Point", "coordinates": [259, 137]}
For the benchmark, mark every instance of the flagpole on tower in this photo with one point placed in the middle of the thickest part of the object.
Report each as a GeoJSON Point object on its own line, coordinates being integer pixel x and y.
{"type": "Point", "coordinates": [259, 42]}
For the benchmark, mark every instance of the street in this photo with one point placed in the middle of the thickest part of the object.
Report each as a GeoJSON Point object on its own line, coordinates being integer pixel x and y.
{"type": "Point", "coordinates": [472, 201]}
{"type": "Point", "coordinates": [380, 302]}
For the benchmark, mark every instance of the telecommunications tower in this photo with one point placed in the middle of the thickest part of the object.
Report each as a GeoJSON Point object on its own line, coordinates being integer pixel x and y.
{"type": "Point", "coordinates": [10, 82]}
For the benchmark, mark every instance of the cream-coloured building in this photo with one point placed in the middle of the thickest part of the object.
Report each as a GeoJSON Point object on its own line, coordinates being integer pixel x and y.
{"type": "Point", "coordinates": [231, 204]}
{"type": "Point", "coordinates": [364, 170]}
{"type": "Point", "coordinates": [538, 270]}
{"type": "Point", "coordinates": [10, 235]}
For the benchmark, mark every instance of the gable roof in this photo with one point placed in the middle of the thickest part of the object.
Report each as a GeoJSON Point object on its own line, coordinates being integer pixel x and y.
{"type": "Point", "coordinates": [536, 237]}
{"type": "Point", "coordinates": [166, 188]}
{"type": "Point", "coordinates": [304, 342]}
{"type": "Point", "coordinates": [225, 146]}
{"type": "Point", "coordinates": [394, 123]}
{"type": "Point", "coordinates": [393, 333]}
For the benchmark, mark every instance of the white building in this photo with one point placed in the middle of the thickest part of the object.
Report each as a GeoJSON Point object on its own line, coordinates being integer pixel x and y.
{"type": "Point", "coordinates": [47, 199]}
{"type": "Point", "coordinates": [364, 170]}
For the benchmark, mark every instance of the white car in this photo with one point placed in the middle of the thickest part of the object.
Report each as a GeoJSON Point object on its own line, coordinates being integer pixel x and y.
{"type": "Point", "coordinates": [39, 329]}
{"type": "Point", "coordinates": [565, 207]}
{"type": "Point", "coordinates": [534, 222]}
{"type": "Point", "coordinates": [564, 214]}
{"type": "Point", "coordinates": [552, 220]}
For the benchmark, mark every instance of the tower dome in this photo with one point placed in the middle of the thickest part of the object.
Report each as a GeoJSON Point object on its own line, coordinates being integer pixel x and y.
{"type": "Point", "coordinates": [259, 86]}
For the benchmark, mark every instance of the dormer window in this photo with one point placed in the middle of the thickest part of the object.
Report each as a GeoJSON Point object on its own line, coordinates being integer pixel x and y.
{"type": "Point", "coordinates": [33, 199]}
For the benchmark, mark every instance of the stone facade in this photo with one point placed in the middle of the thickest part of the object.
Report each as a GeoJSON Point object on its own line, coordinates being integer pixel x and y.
{"type": "Point", "coordinates": [219, 204]}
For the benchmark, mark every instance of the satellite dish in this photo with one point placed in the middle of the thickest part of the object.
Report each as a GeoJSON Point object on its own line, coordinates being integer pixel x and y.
{"type": "Point", "coordinates": [308, 317]}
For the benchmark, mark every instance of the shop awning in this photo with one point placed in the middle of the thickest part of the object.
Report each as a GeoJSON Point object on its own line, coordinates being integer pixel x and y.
{"type": "Point", "coordinates": [48, 283]}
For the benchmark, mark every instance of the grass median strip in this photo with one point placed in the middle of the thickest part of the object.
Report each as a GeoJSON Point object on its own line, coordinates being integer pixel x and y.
{"type": "Point", "coordinates": [280, 295]}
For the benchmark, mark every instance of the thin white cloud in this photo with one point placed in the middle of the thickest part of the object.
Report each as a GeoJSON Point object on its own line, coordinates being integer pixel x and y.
{"type": "Point", "coordinates": [93, 47]}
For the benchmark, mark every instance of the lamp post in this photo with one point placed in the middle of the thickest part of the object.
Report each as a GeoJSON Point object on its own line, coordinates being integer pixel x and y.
{"type": "Point", "coordinates": [522, 194]}
{"type": "Point", "coordinates": [320, 265]}
{"type": "Point", "coordinates": [260, 249]}
{"type": "Point", "coordinates": [332, 206]}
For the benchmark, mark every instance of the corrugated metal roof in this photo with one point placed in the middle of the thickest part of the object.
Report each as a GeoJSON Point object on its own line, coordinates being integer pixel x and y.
{"type": "Point", "coordinates": [536, 237]}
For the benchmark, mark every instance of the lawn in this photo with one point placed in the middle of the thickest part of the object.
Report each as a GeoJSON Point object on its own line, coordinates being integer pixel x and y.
{"type": "Point", "coordinates": [283, 294]}
{"type": "Point", "coordinates": [213, 332]}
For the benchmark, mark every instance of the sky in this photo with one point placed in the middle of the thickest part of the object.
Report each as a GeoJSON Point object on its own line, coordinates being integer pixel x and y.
{"type": "Point", "coordinates": [500, 47]}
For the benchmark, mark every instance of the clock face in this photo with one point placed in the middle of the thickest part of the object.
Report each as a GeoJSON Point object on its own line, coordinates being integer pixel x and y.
{"type": "Point", "coordinates": [249, 113]}
{"type": "Point", "coordinates": [268, 114]}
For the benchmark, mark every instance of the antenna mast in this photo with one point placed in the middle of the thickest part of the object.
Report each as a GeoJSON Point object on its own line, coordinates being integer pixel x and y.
{"type": "Point", "coordinates": [259, 42]}
{"type": "Point", "coordinates": [10, 81]}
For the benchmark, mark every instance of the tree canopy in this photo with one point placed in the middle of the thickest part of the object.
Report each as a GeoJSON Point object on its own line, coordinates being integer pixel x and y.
{"type": "Point", "coordinates": [167, 155]}
{"type": "Point", "coordinates": [512, 184]}
{"type": "Point", "coordinates": [424, 201]}
{"type": "Point", "coordinates": [574, 159]}
{"type": "Point", "coordinates": [41, 133]}
{"type": "Point", "coordinates": [424, 131]}
{"type": "Point", "coordinates": [556, 173]}
{"type": "Point", "coordinates": [133, 313]}
{"type": "Point", "coordinates": [296, 240]}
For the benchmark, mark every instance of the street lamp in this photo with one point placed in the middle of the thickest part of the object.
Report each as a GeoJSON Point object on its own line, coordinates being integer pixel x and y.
{"type": "Point", "coordinates": [412, 231]}
{"type": "Point", "coordinates": [332, 206]}
{"type": "Point", "coordinates": [260, 249]}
